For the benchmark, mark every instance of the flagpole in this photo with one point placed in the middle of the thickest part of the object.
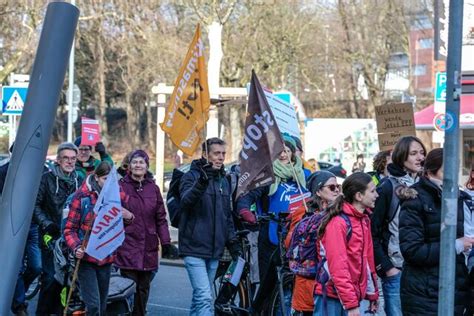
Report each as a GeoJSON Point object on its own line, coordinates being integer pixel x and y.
{"type": "Point", "coordinates": [76, 271]}
{"type": "Point", "coordinates": [299, 186]}
{"type": "Point", "coordinates": [202, 109]}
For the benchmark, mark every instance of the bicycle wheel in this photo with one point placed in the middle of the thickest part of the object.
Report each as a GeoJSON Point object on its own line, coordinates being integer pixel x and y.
{"type": "Point", "coordinates": [239, 302]}
{"type": "Point", "coordinates": [33, 289]}
{"type": "Point", "coordinates": [274, 308]}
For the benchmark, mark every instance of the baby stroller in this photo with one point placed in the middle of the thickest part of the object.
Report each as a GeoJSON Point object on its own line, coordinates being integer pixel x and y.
{"type": "Point", "coordinates": [121, 289]}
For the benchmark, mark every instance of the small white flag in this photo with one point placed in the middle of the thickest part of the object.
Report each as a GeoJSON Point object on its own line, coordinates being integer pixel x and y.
{"type": "Point", "coordinates": [107, 232]}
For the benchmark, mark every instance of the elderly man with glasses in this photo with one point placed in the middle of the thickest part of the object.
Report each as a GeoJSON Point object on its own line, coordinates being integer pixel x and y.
{"type": "Point", "coordinates": [55, 186]}
{"type": "Point", "coordinates": [86, 163]}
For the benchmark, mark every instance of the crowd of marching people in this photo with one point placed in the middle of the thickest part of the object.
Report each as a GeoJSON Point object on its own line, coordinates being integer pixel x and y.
{"type": "Point", "coordinates": [64, 211]}
{"type": "Point", "coordinates": [376, 230]}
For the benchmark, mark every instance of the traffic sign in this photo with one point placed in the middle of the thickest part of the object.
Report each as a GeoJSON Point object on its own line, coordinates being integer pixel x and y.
{"type": "Point", "coordinates": [13, 100]}
{"type": "Point", "coordinates": [440, 92]}
{"type": "Point", "coordinates": [76, 95]}
{"type": "Point", "coordinates": [439, 122]}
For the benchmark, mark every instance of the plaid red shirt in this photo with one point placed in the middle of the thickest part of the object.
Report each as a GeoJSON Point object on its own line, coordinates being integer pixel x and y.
{"type": "Point", "coordinates": [74, 230]}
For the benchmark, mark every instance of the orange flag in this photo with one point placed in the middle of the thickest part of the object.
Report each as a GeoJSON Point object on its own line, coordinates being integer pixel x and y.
{"type": "Point", "coordinates": [188, 110]}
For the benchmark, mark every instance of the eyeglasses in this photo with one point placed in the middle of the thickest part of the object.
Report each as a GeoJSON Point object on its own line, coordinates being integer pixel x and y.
{"type": "Point", "coordinates": [333, 187]}
{"type": "Point", "coordinates": [86, 149]}
{"type": "Point", "coordinates": [68, 159]}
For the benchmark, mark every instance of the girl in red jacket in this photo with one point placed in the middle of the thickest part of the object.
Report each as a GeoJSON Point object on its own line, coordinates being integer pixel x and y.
{"type": "Point", "coordinates": [347, 275]}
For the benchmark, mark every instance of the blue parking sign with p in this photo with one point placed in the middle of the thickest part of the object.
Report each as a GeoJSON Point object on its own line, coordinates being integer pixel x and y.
{"type": "Point", "coordinates": [440, 91]}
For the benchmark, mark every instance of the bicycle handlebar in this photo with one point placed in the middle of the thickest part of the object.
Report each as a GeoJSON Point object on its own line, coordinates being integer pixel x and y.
{"type": "Point", "coordinates": [280, 218]}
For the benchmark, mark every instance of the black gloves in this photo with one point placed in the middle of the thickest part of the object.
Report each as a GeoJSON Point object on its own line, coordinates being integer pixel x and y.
{"type": "Point", "coordinates": [52, 229]}
{"type": "Point", "coordinates": [207, 172]}
{"type": "Point", "coordinates": [234, 249]}
{"type": "Point", "coordinates": [100, 148]}
{"type": "Point", "coordinates": [169, 252]}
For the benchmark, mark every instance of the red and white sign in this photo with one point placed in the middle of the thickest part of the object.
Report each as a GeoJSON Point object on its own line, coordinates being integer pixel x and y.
{"type": "Point", "coordinates": [90, 131]}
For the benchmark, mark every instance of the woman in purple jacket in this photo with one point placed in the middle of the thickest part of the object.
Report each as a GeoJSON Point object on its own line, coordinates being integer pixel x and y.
{"type": "Point", "coordinates": [137, 258]}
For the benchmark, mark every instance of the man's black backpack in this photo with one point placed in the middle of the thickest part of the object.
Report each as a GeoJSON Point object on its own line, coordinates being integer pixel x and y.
{"type": "Point", "coordinates": [173, 198]}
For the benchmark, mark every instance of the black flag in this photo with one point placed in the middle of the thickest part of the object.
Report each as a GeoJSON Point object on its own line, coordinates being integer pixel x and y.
{"type": "Point", "coordinates": [262, 141]}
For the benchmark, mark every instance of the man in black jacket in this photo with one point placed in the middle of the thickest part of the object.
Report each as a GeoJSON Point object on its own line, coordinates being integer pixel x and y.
{"type": "Point", "coordinates": [206, 224]}
{"type": "Point", "coordinates": [55, 186]}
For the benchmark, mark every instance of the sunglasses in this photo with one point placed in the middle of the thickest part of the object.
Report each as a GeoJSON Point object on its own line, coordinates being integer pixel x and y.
{"type": "Point", "coordinates": [333, 187]}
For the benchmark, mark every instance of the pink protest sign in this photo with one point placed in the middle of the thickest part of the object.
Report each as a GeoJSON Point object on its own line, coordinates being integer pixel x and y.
{"type": "Point", "coordinates": [90, 131]}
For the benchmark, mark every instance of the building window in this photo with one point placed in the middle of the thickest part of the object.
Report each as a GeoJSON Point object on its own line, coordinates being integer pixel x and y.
{"type": "Point", "coordinates": [422, 23]}
{"type": "Point", "coordinates": [424, 43]}
{"type": "Point", "coordinates": [419, 70]}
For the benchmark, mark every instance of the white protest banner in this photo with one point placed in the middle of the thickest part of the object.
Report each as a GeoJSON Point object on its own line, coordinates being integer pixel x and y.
{"type": "Point", "coordinates": [107, 233]}
{"type": "Point", "coordinates": [284, 112]}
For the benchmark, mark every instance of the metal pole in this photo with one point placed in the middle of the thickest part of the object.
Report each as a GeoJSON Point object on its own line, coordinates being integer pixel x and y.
{"type": "Point", "coordinates": [31, 145]}
{"type": "Point", "coordinates": [160, 146]}
{"type": "Point", "coordinates": [451, 162]}
{"type": "Point", "coordinates": [11, 124]}
{"type": "Point", "coordinates": [71, 90]}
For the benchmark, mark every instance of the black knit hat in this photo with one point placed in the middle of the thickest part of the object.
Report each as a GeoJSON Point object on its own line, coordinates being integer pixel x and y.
{"type": "Point", "coordinates": [318, 179]}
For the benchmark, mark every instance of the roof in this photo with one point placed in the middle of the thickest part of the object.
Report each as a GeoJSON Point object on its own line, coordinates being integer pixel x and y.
{"type": "Point", "coordinates": [424, 118]}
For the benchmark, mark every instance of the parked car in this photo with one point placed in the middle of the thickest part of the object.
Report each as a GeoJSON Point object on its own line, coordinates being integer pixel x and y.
{"type": "Point", "coordinates": [337, 169]}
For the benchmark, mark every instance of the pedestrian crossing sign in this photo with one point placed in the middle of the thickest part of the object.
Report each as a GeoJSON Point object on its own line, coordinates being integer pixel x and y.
{"type": "Point", "coordinates": [13, 100]}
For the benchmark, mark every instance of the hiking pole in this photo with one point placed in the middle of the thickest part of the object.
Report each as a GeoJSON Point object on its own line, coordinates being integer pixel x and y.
{"type": "Point", "coordinates": [299, 186]}
{"type": "Point", "coordinates": [76, 271]}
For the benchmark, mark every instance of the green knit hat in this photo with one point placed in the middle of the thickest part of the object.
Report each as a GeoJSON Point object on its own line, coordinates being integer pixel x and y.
{"type": "Point", "coordinates": [289, 142]}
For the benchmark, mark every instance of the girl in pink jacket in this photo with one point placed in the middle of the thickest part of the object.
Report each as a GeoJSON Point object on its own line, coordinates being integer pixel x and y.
{"type": "Point", "coordinates": [345, 252]}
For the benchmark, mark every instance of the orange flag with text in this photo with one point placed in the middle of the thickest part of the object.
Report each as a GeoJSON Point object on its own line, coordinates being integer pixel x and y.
{"type": "Point", "coordinates": [188, 109]}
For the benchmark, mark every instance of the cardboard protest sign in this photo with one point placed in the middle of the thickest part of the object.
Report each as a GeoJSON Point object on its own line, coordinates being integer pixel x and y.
{"type": "Point", "coordinates": [188, 110]}
{"type": "Point", "coordinates": [394, 121]}
{"type": "Point", "coordinates": [90, 131]}
{"type": "Point", "coordinates": [262, 141]}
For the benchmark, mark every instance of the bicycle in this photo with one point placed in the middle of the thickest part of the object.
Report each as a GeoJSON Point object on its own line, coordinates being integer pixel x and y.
{"type": "Point", "coordinates": [248, 301]}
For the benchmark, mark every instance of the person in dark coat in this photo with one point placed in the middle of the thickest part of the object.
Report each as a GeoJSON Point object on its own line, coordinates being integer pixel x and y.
{"type": "Point", "coordinates": [407, 161]}
{"type": "Point", "coordinates": [55, 187]}
{"type": "Point", "coordinates": [137, 258]}
{"type": "Point", "coordinates": [206, 224]}
{"type": "Point", "coordinates": [420, 226]}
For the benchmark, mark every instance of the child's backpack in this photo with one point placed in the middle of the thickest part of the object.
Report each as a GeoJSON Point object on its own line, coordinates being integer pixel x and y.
{"type": "Point", "coordinates": [86, 204]}
{"type": "Point", "coordinates": [173, 198]}
{"type": "Point", "coordinates": [302, 253]}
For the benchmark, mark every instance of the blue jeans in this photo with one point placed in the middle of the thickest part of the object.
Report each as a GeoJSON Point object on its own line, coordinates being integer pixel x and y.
{"type": "Point", "coordinates": [391, 295]}
{"type": "Point", "coordinates": [94, 286]}
{"type": "Point", "coordinates": [30, 268]}
{"type": "Point", "coordinates": [334, 307]}
{"type": "Point", "coordinates": [201, 274]}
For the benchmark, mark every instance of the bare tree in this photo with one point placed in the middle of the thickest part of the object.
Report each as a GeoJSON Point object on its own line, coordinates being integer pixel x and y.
{"type": "Point", "coordinates": [19, 23]}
